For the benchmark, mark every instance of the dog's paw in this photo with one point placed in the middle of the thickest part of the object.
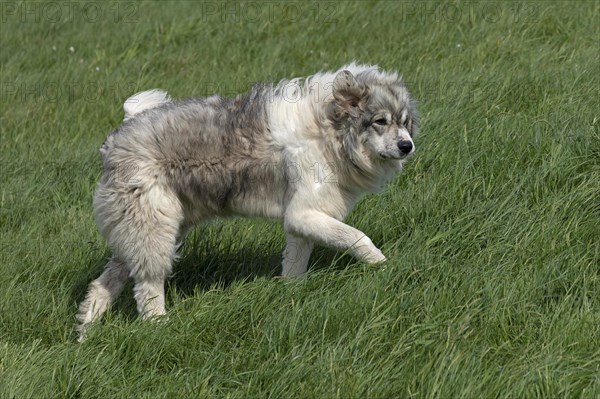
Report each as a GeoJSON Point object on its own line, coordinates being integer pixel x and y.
{"type": "Point", "coordinates": [82, 335]}
{"type": "Point", "coordinates": [376, 257]}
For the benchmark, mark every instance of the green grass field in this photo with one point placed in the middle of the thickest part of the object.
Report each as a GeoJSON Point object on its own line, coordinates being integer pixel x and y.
{"type": "Point", "coordinates": [492, 288]}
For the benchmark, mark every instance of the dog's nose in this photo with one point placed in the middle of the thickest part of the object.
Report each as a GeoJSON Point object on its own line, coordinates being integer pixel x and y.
{"type": "Point", "coordinates": [405, 146]}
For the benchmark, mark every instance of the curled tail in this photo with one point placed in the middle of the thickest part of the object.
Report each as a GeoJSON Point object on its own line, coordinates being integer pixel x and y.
{"type": "Point", "coordinates": [135, 104]}
{"type": "Point", "coordinates": [144, 100]}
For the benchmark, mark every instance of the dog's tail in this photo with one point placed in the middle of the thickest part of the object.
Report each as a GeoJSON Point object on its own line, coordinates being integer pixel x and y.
{"type": "Point", "coordinates": [144, 100]}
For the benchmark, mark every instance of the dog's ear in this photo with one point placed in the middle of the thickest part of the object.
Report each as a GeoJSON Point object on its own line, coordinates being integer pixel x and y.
{"type": "Point", "coordinates": [348, 93]}
{"type": "Point", "coordinates": [413, 119]}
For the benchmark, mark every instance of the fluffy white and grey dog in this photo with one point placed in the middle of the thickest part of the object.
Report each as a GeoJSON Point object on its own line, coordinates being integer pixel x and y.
{"type": "Point", "coordinates": [304, 151]}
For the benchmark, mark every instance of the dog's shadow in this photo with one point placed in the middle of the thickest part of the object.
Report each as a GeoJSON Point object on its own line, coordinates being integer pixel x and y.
{"type": "Point", "coordinates": [205, 262]}
{"type": "Point", "coordinates": [206, 267]}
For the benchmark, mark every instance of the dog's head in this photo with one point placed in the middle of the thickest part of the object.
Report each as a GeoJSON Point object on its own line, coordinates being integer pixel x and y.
{"type": "Point", "coordinates": [372, 111]}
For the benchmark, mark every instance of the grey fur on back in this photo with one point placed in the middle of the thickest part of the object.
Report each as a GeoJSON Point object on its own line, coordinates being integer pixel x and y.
{"type": "Point", "coordinates": [210, 151]}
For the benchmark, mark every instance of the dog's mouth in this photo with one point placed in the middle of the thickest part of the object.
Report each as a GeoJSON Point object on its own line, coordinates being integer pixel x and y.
{"type": "Point", "coordinates": [393, 157]}
{"type": "Point", "coordinates": [386, 156]}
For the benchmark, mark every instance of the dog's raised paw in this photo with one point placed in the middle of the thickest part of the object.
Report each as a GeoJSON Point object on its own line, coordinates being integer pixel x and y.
{"type": "Point", "coordinates": [376, 257]}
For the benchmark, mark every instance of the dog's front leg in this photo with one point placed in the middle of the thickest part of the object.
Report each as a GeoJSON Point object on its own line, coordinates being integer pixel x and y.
{"type": "Point", "coordinates": [324, 229]}
{"type": "Point", "coordinates": [296, 255]}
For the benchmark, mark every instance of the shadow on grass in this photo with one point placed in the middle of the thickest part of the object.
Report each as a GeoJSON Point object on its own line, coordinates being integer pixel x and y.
{"type": "Point", "coordinates": [201, 271]}
{"type": "Point", "coordinates": [202, 265]}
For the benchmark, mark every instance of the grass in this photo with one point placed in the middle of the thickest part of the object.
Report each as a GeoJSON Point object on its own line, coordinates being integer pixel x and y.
{"type": "Point", "coordinates": [492, 288]}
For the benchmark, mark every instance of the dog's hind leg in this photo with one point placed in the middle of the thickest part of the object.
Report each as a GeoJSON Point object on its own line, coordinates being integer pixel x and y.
{"type": "Point", "coordinates": [149, 294]}
{"type": "Point", "coordinates": [149, 246]}
{"type": "Point", "coordinates": [102, 292]}
{"type": "Point", "coordinates": [142, 228]}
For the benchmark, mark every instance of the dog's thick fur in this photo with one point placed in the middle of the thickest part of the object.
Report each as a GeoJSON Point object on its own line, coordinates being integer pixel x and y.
{"type": "Point", "coordinates": [304, 151]}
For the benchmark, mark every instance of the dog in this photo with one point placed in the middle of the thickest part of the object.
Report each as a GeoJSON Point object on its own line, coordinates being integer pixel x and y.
{"type": "Point", "coordinates": [303, 151]}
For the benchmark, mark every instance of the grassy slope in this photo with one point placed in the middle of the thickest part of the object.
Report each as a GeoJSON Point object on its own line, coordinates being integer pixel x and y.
{"type": "Point", "coordinates": [492, 287]}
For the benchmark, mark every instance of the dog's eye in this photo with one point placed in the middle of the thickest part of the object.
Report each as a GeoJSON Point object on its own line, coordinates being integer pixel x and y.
{"type": "Point", "coordinates": [380, 121]}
